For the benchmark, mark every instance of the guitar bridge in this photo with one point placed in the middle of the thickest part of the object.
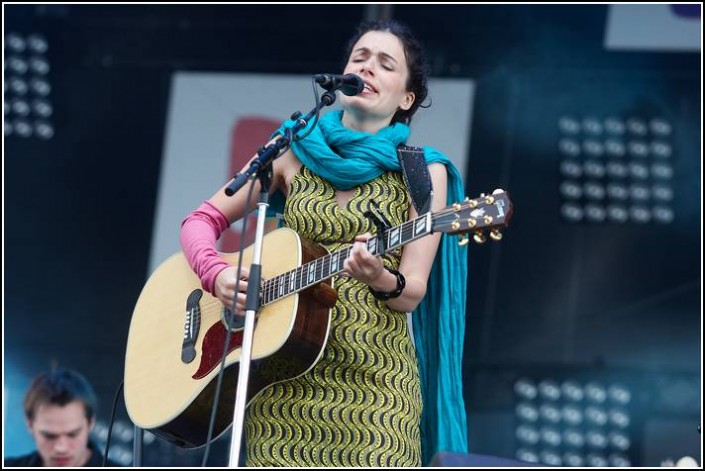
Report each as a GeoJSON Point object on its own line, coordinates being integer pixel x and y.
{"type": "Point", "coordinates": [193, 324]}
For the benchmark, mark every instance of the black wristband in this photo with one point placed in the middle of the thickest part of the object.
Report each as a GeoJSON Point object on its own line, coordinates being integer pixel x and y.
{"type": "Point", "coordinates": [401, 283]}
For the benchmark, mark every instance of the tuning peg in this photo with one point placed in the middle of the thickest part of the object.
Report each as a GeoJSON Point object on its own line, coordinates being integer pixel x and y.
{"type": "Point", "coordinates": [495, 234]}
{"type": "Point", "coordinates": [463, 240]}
{"type": "Point", "coordinates": [479, 237]}
{"type": "Point", "coordinates": [498, 191]}
{"type": "Point", "coordinates": [489, 199]}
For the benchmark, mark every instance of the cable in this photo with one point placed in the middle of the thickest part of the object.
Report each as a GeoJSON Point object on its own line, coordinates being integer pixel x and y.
{"type": "Point", "coordinates": [112, 421]}
{"type": "Point", "coordinates": [214, 407]}
{"type": "Point", "coordinates": [318, 113]}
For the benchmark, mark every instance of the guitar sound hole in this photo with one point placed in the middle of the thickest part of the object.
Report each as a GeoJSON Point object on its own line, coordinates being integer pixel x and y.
{"type": "Point", "coordinates": [234, 323]}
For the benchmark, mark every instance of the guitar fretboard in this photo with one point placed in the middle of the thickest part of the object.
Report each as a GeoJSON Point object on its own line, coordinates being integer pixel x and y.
{"type": "Point", "coordinates": [324, 267]}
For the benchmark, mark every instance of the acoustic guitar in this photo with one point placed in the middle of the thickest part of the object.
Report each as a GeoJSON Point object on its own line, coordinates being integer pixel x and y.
{"type": "Point", "coordinates": [177, 333]}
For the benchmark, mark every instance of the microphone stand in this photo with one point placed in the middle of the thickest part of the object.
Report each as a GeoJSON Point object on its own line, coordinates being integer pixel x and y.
{"type": "Point", "coordinates": [137, 444]}
{"type": "Point", "coordinates": [261, 168]}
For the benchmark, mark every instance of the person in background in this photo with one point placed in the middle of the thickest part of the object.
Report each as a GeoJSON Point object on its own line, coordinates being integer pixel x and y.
{"type": "Point", "coordinates": [60, 408]}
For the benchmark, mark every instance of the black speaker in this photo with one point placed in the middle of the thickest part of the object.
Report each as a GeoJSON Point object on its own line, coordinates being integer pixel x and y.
{"type": "Point", "coordinates": [444, 459]}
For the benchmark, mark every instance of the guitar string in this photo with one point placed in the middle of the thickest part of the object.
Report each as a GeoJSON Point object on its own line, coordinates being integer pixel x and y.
{"type": "Point", "coordinates": [325, 262]}
{"type": "Point", "coordinates": [270, 291]}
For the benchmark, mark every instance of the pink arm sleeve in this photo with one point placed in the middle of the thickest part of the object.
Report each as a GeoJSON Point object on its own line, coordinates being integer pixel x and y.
{"type": "Point", "coordinates": [199, 231]}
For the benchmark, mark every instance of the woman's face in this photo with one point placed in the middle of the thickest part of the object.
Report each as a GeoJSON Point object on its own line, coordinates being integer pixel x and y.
{"type": "Point", "coordinates": [378, 58]}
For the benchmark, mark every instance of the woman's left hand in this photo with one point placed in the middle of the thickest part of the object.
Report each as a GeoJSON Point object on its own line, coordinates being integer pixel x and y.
{"type": "Point", "coordinates": [361, 264]}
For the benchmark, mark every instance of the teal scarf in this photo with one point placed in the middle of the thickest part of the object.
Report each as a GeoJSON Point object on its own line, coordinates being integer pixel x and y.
{"type": "Point", "coordinates": [348, 158]}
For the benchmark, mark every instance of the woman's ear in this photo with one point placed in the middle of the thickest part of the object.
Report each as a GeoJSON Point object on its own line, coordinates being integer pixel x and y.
{"type": "Point", "coordinates": [407, 101]}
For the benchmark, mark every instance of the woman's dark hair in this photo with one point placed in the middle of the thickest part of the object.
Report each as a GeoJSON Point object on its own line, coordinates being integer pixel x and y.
{"type": "Point", "coordinates": [59, 387]}
{"type": "Point", "coordinates": [415, 60]}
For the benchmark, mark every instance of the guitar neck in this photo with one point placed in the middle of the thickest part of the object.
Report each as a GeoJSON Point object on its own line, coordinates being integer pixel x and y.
{"type": "Point", "coordinates": [324, 267]}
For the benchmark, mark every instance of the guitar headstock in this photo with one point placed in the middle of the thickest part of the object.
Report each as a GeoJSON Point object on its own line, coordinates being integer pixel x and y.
{"type": "Point", "coordinates": [477, 215]}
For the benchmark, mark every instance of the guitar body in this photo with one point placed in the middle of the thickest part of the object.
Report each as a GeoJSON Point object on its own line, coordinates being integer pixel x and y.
{"type": "Point", "coordinates": [171, 392]}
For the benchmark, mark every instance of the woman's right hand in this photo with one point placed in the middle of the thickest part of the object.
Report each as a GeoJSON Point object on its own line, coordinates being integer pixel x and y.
{"type": "Point", "coordinates": [225, 289]}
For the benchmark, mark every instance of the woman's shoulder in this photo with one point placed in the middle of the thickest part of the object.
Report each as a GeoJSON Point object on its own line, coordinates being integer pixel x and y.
{"type": "Point", "coordinates": [286, 167]}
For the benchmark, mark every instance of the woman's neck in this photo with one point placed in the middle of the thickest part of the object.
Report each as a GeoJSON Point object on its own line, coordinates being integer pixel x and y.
{"type": "Point", "coordinates": [366, 123]}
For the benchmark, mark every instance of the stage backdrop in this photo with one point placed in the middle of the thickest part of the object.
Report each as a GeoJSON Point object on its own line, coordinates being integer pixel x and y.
{"type": "Point", "coordinates": [216, 122]}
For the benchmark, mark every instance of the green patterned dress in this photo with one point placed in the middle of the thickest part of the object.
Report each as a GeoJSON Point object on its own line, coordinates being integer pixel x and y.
{"type": "Point", "coordinates": [360, 405]}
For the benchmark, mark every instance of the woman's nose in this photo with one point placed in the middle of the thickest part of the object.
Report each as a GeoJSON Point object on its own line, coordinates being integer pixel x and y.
{"type": "Point", "coordinates": [367, 67]}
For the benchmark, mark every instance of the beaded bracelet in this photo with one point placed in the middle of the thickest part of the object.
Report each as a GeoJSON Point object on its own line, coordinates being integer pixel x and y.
{"type": "Point", "coordinates": [401, 283]}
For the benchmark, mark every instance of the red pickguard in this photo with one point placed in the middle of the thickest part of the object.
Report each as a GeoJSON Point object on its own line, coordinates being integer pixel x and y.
{"type": "Point", "coordinates": [213, 348]}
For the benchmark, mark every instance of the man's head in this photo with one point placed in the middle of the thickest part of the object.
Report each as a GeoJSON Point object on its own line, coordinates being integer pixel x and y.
{"type": "Point", "coordinates": [59, 409]}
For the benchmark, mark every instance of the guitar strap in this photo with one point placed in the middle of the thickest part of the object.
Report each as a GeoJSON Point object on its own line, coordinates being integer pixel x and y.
{"type": "Point", "coordinates": [418, 181]}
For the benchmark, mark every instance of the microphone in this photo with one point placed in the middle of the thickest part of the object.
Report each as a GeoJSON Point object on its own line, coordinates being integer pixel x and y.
{"type": "Point", "coordinates": [349, 84]}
